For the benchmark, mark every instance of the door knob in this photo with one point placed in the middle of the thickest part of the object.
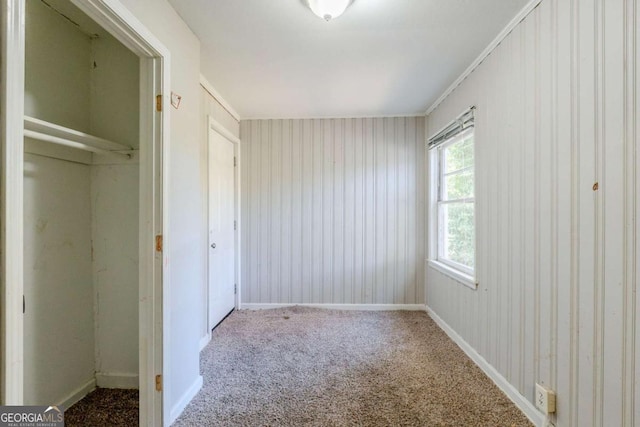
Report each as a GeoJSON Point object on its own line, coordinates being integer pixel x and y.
{"type": "Point", "coordinates": [213, 246]}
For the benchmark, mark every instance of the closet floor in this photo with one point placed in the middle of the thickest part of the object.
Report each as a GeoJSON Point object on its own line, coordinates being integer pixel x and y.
{"type": "Point", "coordinates": [104, 407]}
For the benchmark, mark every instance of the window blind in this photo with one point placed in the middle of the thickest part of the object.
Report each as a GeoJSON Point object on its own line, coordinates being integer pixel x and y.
{"type": "Point", "coordinates": [460, 124]}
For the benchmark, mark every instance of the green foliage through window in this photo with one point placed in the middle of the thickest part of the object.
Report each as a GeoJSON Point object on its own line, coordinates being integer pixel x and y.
{"type": "Point", "coordinates": [456, 202]}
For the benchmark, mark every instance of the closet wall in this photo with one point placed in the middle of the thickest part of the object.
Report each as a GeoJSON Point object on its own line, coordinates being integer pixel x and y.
{"type": "Point", "coordinates": [81, 212]}
{"type": "Point", "coordinates": [115, 206]}
{"type": "Point", "coordinates": [59, 338]}
{"type": "Point", "coordinates": [57, 215]}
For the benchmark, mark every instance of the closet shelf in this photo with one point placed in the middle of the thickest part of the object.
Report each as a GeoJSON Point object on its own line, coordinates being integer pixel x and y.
{"type": "Point", "coordinates": [50, 132]}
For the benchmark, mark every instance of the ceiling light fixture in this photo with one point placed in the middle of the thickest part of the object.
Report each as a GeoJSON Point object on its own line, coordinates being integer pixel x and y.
{"type": "Point", "coordinates": [329, 9]}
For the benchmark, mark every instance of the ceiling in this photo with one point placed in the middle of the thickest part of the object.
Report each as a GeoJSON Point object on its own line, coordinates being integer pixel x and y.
{"type": "Point", "coordinates": [276, 59]}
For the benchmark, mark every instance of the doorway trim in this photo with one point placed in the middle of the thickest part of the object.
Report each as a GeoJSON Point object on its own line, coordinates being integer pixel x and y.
{"type": "Point", "coordinates": [154, 208]}
{"type": "Point", "coordinates": [215, 126]}
{"type": "Point", "coordinates": [11, 214]}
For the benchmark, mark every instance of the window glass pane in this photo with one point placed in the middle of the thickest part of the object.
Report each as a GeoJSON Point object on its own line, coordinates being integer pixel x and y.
{"type": "Point", "coordinates": [458, 185]}
{"type": "Point", "coordinates": [459, 155]}
{"type": "Point", "coordinates": [458, 233]}
{"type": "Point", "coordinates": [456, 222]}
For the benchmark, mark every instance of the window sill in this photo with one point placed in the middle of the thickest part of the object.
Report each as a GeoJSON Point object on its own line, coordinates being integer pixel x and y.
{"type": "Point", "coordinates": [456, 275]}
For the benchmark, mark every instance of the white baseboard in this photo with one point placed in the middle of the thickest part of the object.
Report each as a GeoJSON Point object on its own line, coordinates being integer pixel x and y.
{"type": "Point", "coordinates": [124, 381]}
{"type": "Point", "coordinates": [184, 400]}
{"type": "Point", "coordinates": [204, 341]}
{"type": "Point", "coordinates": [76, 395]}
{"type": "Point", "coordinates": [536, 417]}
{"type": "Point", "coordinates": [360, 307]}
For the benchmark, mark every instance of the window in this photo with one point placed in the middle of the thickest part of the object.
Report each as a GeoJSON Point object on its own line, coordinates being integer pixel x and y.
{"type": "Point", "coordinates": [456, 224]}
{"type": "Point", "coordinates": [452, 212]}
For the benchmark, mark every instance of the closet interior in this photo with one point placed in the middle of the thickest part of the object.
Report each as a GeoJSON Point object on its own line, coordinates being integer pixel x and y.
{"type": "Point", "coordinates": [81, 207]}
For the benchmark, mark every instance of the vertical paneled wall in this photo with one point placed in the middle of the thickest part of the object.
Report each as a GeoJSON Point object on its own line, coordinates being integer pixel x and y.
{"type": "Point", "coordinates": [557, 207]}
{"type": "Point", "coordinates": [332, 212]}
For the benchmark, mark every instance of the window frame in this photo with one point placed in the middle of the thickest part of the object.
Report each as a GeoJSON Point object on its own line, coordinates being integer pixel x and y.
{"type": "Point", "coordinates": [458, 271]}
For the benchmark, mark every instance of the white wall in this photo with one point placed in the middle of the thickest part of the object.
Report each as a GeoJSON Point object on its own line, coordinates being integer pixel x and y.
{"type": "Point", "coordinates": [114, 204]}
{"type": "Point", "coordinates": [209, 107]}
{"type": "Point", "coordinates": [557, 111]}
{"type": "Point", "coordinates": [185, 197]}
{"type": "Point", "coordinates": [58, 339]}
{"type": "Point", "coordinates": [58, 321]}
{"type": "Point", "coordinates": [94, 89]}
{"type": "Point", "coordinates": [114, 115]}
{"type": "Point", "coordinates": [57, 81]}
{"type": "Point", "coordinates": [115, 91]}
{"type": "Point", "coordinates": [331, 211]}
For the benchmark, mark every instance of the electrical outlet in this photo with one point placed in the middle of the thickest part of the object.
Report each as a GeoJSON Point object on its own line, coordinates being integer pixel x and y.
{"type": "Point", "coordinates": [545, 399]}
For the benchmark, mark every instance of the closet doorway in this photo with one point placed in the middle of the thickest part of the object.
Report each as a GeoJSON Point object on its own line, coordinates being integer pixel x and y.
{"type": "Point", "coordinates": [83, 207]}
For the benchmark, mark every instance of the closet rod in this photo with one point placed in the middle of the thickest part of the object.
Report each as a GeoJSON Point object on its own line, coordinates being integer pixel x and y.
{"type": "Point", "coordinates": [61, 141]}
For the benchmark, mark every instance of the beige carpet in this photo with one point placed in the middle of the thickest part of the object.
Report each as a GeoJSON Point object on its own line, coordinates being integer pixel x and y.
{"type": "Point", "coordinates": [308, 367]}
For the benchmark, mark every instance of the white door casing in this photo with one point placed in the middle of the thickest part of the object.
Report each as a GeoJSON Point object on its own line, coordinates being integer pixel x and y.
{"type": "Point", "coordinates": [11, 201]}
{"type": "Point", "coordinates": [222, 245]}
{"type": "Point", "coordinates": [154, 273]}
{"type": "Point", "coordinates": [154, 208]}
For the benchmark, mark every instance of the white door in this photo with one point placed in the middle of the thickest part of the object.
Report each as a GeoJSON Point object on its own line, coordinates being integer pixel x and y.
{"type": "Point", "coordinates": [221, 228]}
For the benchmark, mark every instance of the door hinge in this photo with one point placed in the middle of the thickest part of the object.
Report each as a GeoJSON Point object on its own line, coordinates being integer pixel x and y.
{"type": "Point", "coordinates": [24, 305]}
{"type": "Point", "coordinates": [159, 243]}
{"type": "Point", "coordinates": [234, 162]}
{"type": "Point", "coordinates": [158, 382]}
{"type": "Point", "coordinates": [158, 102]}
{"type": "Point", "coordinates": [235, 225]}
{"type": "Point", "coordinates": [235, 288]}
